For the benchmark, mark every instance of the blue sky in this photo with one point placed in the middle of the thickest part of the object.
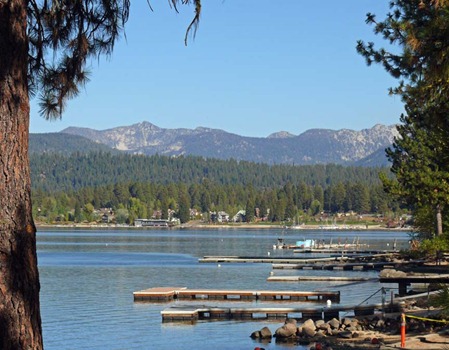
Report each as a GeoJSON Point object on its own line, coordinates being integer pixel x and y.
{"type": "Point", "coordinates": [255, 67]}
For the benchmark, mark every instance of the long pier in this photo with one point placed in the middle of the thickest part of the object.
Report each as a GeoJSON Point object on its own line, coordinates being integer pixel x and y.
{"type": "Point", "coordinates": [344, 250]}
{"type": "Point", "coordinates": [201, 312]}
{"type": "Point", "coordinates": [359, 262]}
{"type": "Point", "coordinates": [360, 258]}
{"type": "Point", "coordinates": [257, 259]}
{"type": "Point", "coordinates": [166, 294]}
{"type": "Point", "coordinates": [269, 260]}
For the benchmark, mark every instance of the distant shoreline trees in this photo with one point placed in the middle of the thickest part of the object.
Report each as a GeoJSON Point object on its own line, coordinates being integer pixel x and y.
{"type": "Point", "coordinates": [139, 185]}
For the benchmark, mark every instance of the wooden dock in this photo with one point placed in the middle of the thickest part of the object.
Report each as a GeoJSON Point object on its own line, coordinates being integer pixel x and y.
{"type": "Point", "coordinates": [344, 251]}
{"type": "Point", "coordinates": [318, 278]}
{"type": "Point", "coordinates": [251, 259]}
{"type": "Point", "coordinates": [271, 260]}
{"type": "Point", "coordinates": [166, 294]}
{"type": "Point", "coordinates": [405, 281]}
{"type": "Point", "coordinates": [359, 258]}
{"type": "Point", "coordinates": [360, 266]}
{"type": "Point", "coordinates": [201, 312]}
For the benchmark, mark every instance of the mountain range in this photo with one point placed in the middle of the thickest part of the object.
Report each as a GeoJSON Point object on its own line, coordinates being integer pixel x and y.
{"type": "Point", "coordinates": [314, 146]}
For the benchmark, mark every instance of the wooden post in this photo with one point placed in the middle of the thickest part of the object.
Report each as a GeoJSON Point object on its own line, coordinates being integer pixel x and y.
{"type": "Point", "coordinates": [402, 288]}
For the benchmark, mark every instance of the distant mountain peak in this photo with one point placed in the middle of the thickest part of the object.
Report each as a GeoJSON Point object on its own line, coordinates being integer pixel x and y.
{"type": "Point", "coordinates": [314, 146]}
{"type": "Point", "coordinates": [280, 135]}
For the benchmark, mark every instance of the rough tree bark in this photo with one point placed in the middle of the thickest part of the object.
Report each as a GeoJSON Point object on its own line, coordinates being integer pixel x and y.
{"type": "Point", "coordinates": [20, 322]}
{"type": "Point", "coordinates": [439, 220]}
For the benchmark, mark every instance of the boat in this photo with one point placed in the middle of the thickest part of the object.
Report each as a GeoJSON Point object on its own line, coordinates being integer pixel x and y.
{"type": "Point", "coordinates": [305, 244]}
{"type": "Point", "coordinates": [280, 244]}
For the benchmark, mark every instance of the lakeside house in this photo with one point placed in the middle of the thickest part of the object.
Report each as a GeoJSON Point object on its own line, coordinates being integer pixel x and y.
{"type": "Point", "coordinates": [240, 216]}
{"type": "Point", "coordinates": [221, 217]}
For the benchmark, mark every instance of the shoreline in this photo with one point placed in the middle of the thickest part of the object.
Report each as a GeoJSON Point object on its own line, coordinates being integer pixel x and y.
{"type": "Point", "coordinates": [199, 226]}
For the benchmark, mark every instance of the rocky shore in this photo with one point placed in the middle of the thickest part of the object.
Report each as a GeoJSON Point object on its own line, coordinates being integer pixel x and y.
{"type": "Point", "coordinates": [352, 333]}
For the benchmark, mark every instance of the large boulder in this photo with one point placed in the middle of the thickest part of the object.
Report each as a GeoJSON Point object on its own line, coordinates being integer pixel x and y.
{"type": "Point", "coordinates": [318, 323]}
{"type": "Point", "coordinates": [325, 327]}
{"type": "Point", "coordinates": [265, 333]}
{"type": "Point", "coordinates": [346, 322]}
{"type": "Point", "coordinates": [288, 330]}
{"type": "Point", "coordinates": [255, 335]}
{"type": "Point", "coordinates": [334, 323]}
{"type": "Point", "coordinates": [308, 328]}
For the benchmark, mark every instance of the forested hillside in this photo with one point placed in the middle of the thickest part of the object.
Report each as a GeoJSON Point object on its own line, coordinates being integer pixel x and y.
{"type": "Point", "coordinates": [73, 187]}
{"type": "Point", "coordinates": [56, 172]}
{"type": "Point", "coordinates": [65, 144]}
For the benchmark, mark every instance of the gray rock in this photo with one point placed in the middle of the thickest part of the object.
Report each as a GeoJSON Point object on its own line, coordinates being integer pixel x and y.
{"type": "Point", "coordinates": [320, 333]}
{"type": "Point", "coordinates": [288, 330]}
{"type": "Point", "coordinates": [345, 334]}
{"type": "Point", "coordinates": [346, 321]}
{"type": "Point", "coordinates": [308, 328]}
{"type": "Point", "coordinates": [318, 323]}
{"type": "Point", "coordinates": [255, 335]}
{"type": "Point", "coordinates": [334, 323]}
{"type": "Point", "coordinates": [325, 327]}
{"type": "Point", "coordinates": [265, 333]}
{"type": "Point", "coordinates": [291, 321]}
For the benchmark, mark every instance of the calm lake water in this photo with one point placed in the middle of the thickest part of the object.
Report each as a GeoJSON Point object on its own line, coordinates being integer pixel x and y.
{"type": "Point", "coordinates": [88, 278]}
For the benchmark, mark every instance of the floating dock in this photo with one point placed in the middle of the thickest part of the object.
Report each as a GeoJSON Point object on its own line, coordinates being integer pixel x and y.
{"type": "Point", "coordinates": [251, 259]}
{"type": "Point", "coordinates": [360, 266]}
{"type": "Point", "coordinates": [318, 278]}
{"type": "Point", "coordinates": [344, 250]}
{"type": "Point", "coordinates": [292, 260]}
{"type": "Point", "coordinates": [166, 294]}
{"type": "Point", "coordinates": [200, 312]}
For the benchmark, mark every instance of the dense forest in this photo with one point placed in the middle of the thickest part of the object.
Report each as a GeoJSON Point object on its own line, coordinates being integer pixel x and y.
{"type": "Point", "coordinates": [73, 188]}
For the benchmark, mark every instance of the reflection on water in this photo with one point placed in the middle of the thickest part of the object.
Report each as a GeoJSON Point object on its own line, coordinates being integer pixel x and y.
{"type": "Point", "coordinates": [88, 277]}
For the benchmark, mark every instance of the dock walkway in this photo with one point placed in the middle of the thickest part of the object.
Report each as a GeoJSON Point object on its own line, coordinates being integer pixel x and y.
{"type": "Point", "coordinates": [201, 312]}
{"type": "Point", "coordinates": [360, 259]}
{"type": "Point", "coordinates": [166, 294]}
{"type": "Point", "coordinates": [360, 266]}
{"type": "Point", "coordinates": [319, 278]}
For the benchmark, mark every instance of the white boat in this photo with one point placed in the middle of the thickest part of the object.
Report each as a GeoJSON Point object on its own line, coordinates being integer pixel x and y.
{"type": "Point", "coordinates": [280, 244]}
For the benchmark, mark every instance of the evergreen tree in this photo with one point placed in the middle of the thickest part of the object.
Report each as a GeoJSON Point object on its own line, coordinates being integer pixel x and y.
{"type": "Point", "coordinates": [250, 209]}
{"type": "Point", "coordinates": [420, 156]}
{"type": "Point", "coordinates": [338, 197]}
{"type": "Point", "coordinates": [184, 206]}
{"type": "Point", "coordinates": [78, 215]}
{"type": "Point", "coordinates": [45, 46]}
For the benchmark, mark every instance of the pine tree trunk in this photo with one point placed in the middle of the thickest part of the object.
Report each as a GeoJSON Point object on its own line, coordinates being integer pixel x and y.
{"type": "Point", "coordinates": [439, 221]}
{"type": "Point", "coordinates": [20, 323]}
